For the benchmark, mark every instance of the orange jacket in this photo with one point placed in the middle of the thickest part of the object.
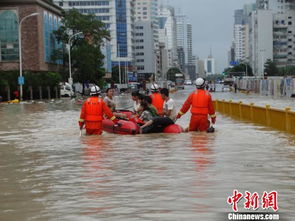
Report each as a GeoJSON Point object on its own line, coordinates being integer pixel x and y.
{"type": "Point", "coordinates": [201, 103]}
{"type": "Point", "coordinates": [93, 110]}
{"type": "Point", "coordinates": [157, 102]}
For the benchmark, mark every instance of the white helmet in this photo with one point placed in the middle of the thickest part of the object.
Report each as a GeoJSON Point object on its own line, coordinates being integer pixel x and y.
{"type": "Point", "coordinates": [200, 83]}
{"type": "Point", "coordinates": [94, 90]}
{"type": "Point", "coordinates": [154, 87]}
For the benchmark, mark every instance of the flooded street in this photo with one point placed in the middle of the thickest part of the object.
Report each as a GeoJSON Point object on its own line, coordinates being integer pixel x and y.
{"type": "Point", "coordinates": [48, 172]}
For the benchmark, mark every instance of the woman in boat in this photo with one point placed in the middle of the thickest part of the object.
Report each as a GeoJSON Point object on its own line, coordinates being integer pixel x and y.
{"type": "Point", "coordinates": [109, 99]}
{"type": "Point", "coordinates": [153, 110]}
{"type": "Point", "coordinates": [146, 114]}
{"type": "Point", "coordinates": [135, 97]}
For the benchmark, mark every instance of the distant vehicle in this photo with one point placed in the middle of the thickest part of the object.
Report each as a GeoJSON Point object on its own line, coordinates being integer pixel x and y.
{"type": "Point", "coordinates": [188, 82]}
{"type": "Point", "coordinates": [226, 88]}
{"type": "Point", "coordinates": [66, 90]}
{"type": "Point", "coordinates": [228, 81]}
{"type": "Point", "coordinates": [134, 86]}
{"type": "Point", "coordinates": [179, 80]}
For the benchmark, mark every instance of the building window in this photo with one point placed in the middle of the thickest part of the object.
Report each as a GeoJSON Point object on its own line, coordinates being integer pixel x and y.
{"type": "Point", "coordinates": [87, 3]}
{"type": "Point", "coordinates": [140, 68]}
{"type": "Point", "coordinates": [8, 36]}
{"type": "Point", "coordinates": [139, 47]}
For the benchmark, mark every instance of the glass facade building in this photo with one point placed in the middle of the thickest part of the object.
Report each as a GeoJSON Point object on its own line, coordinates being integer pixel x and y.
{"type": "Point", "coordinates": [51, 24]}
{"type": "Point", "coordinates": [121, 21]}
{"type": "Point", "coordinates": [9, 36]}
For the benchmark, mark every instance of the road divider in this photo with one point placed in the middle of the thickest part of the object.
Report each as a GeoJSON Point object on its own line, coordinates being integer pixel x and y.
{"type": "Point", "coordinates": [283, 120]}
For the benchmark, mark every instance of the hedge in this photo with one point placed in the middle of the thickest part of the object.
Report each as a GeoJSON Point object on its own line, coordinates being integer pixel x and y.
{"type": "Point", "coordinates": [32, 79]}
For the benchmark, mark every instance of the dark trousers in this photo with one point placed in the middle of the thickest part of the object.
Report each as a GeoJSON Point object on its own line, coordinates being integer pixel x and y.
{"type": "Point", "coordinates": [159, 124]}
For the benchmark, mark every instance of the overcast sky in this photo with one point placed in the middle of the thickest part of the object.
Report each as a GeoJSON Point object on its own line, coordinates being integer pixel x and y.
{"type": "Point", "coordinates": [212, 22]}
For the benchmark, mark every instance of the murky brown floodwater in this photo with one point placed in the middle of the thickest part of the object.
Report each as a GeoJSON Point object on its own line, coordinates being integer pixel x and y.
{"type": "Point", "coordinates": [47, 172]}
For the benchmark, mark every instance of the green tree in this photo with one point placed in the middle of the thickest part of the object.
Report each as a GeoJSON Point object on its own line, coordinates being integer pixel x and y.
{"type": "Point", "coordinates": [171, 73]}
{"type": "Point", "coordinates": [115, 74]}
{"type": "Point", "coordinates": [239, 70]}
{"type": "Point", "coordinates": [287, 71]}
{"type": "Point", "coordinates": [86, 56]}
{"type": "Point", "coordinates": [270, 68]}
{"type": "Point", "coordinates": [214, 77]}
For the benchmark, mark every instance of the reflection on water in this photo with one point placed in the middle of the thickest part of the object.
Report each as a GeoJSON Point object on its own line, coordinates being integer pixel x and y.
{"type": "Point", "coordinates": [49, 173]}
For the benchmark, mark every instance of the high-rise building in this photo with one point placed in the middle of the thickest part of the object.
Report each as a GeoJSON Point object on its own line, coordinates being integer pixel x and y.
{"type": "Point", "coordinates": [240, 32]}
{"type": "Point", "coordinates": [241, 35]}
{"type": "Point", "coordinates": [144, 50]}
{"type": "Point", "coordinates": [209, 65]}
{"type": "Point", "coordinates": [118, 16]}
{"type": "Point", "coordinates": [189, 34]}
{"type": "Point", "coordinates": [261, 39]}
{"type": "Point", "coordinates": [191, 61]}
{"type": "Point", "coordinates": [184, 43]}
{"type": "Point", "coordinates": [181, 58]}
{"type": "Point", "coordinates": [231, 54]}
{"type": "Point", "coordinates": [284, 39]}
{"type": "Point", "coordinates": [167, 33]}
{"type": "Point", "coordinates": [283, 30]}
{"type": "Point", "coordinates": [181, 41]}
{"type": "Point", "coordinates": [277, 6]}
{"type": "Point", "coordinates": [147, 11]}
{"type": "Point", "coordinates": [200, 68]}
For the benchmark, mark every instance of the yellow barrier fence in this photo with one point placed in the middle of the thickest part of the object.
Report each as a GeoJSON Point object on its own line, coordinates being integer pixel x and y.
{"type": "Point", "coordinates": [283, 120]}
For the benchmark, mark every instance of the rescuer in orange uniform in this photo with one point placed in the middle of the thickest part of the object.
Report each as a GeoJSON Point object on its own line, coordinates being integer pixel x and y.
{"type": "Point", "coordinates": [92, 113]}
{"type": "Point", "coordinates": [201, 106]}
{"type": "Point", "coordinates": [157, 100]}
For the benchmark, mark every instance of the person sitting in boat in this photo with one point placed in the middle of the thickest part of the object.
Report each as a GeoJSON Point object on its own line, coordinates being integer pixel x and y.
{"type": "Point", "coordinates": [146, 114]}
{"type": "Point", "coordinates": [153, 110]}
{"type": "Point", "coordinates": [158, 124]}
{"type": "Point", "coordinates": [92, 113]}
{"type": "Point", "coordinates": [135, 97]}
{"type": "Point", "coordinates": [157, 99]}
{"type": "Point", "coordinates": [109, 99]}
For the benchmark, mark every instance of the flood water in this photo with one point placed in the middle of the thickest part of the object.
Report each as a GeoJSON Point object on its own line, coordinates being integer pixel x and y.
{"type": "Point", "coordinates": [48, 172]}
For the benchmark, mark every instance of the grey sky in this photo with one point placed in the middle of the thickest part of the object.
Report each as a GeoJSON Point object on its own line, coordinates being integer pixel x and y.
{"type": "Point", "coordinates": [212, 22]}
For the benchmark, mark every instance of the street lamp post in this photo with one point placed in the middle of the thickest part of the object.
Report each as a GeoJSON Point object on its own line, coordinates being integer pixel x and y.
{"type": "Point", "coordinates": [20, 51]}
{"type": "Point", "coordinates": [70, 63]}
{"type": "Point", "coordinates": [119, 63]}
{"type": "Point", "coordinates": [246, 66]}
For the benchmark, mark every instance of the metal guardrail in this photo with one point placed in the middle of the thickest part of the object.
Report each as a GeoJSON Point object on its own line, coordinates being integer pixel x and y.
{"type": "Point", "coordinates": [283, 120]}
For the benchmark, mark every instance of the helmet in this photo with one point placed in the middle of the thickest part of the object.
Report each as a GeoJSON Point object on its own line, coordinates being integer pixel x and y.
{"type": "Point", "coordinates": [94, 90]}
{"type": "Point", "coordinates": [200, 83]}
{"type": "Point", "coordinates": [154, 87]}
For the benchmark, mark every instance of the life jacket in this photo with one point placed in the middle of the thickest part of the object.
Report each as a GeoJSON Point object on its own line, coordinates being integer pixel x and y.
{"type": "Point", "coordinates": [93, 109]}
{"type": "Point", "coordinates": [157, 102]}
{"type": "Point", "coordinates": [200, 102]}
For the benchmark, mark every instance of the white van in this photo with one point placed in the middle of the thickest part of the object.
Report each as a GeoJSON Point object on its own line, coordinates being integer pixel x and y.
{"type": "Point", "coordinates": [66, 90]}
